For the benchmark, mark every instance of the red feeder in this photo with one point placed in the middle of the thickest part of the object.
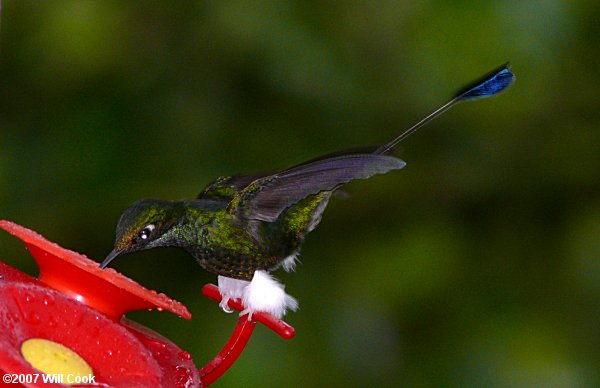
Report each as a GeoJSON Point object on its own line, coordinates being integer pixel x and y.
{"type": "Point", "coordinates": [69, 324]}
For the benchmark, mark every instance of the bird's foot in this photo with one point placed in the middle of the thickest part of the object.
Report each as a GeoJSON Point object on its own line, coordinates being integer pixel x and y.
{"type": "Point", "coordinates": [266, 294]}
{"type": "Point", "coordinates": [230, 289]}
{"type": "Point", "coordinates": [224, 305]}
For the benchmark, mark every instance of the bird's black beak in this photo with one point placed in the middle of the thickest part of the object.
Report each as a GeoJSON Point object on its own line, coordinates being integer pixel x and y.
{"type": "Point", "coordinates": [111, 256]}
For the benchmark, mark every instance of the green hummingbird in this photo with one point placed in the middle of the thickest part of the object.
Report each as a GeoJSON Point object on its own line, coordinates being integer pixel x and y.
{"type": "Point", "coordinates": [242, 227]}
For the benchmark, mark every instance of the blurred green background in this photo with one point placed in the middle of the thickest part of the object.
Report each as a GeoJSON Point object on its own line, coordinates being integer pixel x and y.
{"type": "Point", "coordinates": [478, 264]}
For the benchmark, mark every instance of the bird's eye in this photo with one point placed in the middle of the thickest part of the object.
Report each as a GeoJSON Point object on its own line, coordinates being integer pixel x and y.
{"type": "Point", "coordinates": [145, 233]}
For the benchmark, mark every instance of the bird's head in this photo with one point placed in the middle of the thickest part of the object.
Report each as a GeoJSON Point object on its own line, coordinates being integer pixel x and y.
{"type": "Point", "coordinates": [143, 226]}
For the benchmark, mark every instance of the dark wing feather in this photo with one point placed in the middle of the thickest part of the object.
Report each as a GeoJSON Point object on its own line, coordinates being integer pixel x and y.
{"type": "Point", "coordinates": [226, 187]}
{"type": "Point", "coordinates": [265, 198]}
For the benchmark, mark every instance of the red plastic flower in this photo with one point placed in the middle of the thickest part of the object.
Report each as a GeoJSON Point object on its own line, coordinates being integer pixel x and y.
{"type": "Point", "coordinates": [71, 318]}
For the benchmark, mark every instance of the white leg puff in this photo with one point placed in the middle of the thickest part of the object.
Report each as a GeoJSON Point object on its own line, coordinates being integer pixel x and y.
{"type": "Point", "coordinates": [230, 289]}
{"type": "Point", "coordinates": [265, 293]}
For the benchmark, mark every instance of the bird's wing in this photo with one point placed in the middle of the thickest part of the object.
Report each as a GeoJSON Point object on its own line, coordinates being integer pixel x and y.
{"type": "Point", "coordinates": [267, 197]}
{"type": "Point", "coordinates": [227, 187]}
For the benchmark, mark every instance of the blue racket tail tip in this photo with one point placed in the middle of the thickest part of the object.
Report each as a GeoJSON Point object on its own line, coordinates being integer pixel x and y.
{"type": "Point", "coordinates": [488, 85]}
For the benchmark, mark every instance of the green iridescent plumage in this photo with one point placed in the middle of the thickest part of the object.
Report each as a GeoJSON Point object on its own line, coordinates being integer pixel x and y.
{"type": "Point", "coordinates": [226, 228]}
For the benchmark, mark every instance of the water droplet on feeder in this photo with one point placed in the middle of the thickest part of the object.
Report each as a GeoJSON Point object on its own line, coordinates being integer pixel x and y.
{"type": "Point", "coordinates": [48, 300]}
{"type": "Point", "coordinates": [184, 356]}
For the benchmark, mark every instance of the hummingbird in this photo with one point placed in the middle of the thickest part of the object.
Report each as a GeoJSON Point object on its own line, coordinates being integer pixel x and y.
{"type": "Point", "coordinates": [243, 227]}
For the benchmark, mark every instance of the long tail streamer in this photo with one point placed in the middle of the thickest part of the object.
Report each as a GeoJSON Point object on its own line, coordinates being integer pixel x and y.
{"type": "Point", "coordinates": [488, 85]}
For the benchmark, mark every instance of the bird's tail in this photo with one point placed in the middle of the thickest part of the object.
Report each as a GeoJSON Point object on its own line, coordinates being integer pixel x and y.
{"type": "Point", "coordinates": [266, 198]}
{"type": "Point", "coordinates": [487, 85]}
